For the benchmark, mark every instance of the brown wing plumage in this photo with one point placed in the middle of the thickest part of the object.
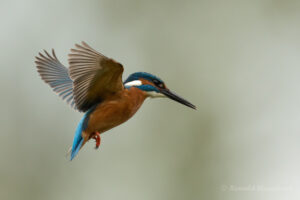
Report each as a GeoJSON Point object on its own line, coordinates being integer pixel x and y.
{"type": "Point", "coordinates": [95, 77]}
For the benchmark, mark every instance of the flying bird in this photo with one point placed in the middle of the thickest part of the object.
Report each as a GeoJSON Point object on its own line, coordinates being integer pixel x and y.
{"type": "Point", "coordinates": [93, 84]}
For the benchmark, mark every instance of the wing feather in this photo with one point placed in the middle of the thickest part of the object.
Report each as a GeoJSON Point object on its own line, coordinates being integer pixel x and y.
{"type": "Point", "coordinates": [95, 77]}
{"type": "Point", "coordinates": [56, 75]}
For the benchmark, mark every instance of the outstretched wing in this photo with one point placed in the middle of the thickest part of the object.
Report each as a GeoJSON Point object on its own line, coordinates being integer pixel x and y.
{"type": "Point", "coordinates": [56, 75]}
{"type": "Point", "coordinates": [95, 77]}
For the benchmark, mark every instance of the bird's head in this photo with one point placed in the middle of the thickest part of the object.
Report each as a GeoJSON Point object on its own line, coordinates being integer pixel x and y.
{"type": "Point", "coordinates": [154, 87]}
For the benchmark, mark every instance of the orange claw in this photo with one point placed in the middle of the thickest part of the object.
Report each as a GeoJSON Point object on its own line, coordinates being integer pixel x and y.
{"type": "Point", "coordinates": [97, 139]}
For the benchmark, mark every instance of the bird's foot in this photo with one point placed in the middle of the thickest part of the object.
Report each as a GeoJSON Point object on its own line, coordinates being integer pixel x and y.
{"type": "Point", "coordinates": [97, 138]}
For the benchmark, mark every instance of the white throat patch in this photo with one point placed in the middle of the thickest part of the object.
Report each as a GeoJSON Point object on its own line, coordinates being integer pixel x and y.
{"type": "Point", "coordinates": [133, 83]}
{"type": "Point", "coordinates": [154, 94]}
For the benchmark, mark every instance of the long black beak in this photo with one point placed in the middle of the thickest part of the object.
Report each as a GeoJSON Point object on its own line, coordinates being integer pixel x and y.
{"type": "Point", "coordinates": [177, 98]}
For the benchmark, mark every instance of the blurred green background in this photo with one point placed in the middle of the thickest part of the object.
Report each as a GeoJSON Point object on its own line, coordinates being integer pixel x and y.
{"type": "Point", "coordinates": [238, 61]}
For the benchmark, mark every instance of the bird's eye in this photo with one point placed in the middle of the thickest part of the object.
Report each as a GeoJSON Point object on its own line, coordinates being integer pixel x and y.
{"type": "Point", "coordinates": [158, 83]}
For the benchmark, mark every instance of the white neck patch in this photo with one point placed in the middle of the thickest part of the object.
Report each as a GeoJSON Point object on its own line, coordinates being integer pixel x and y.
{"type": "Point", "coordinates": [133, 83]}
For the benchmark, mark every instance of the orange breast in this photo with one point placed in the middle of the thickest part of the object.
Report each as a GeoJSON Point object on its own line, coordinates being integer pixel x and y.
{"type": "Point", "coordinates": [115, 110]}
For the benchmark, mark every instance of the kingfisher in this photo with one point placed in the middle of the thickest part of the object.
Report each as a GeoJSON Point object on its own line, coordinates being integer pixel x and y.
{"type": "Point", "coordinates": [93, 84]}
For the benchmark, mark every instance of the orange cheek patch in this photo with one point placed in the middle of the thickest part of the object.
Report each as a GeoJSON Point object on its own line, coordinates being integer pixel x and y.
{"type": "Point", "coordinates": [146, 82]}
